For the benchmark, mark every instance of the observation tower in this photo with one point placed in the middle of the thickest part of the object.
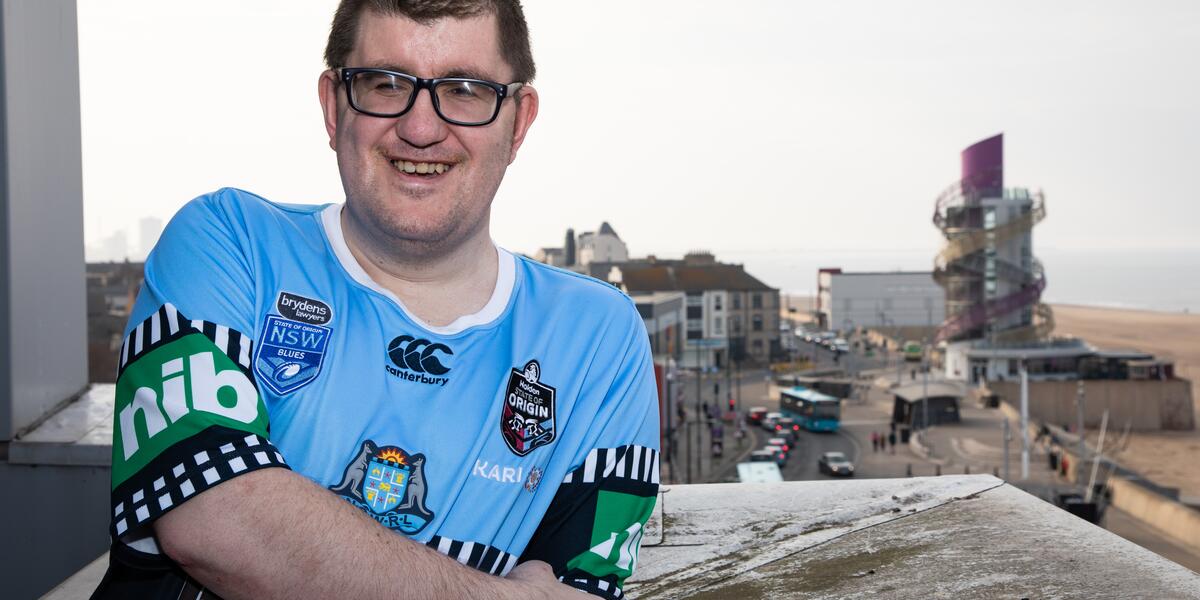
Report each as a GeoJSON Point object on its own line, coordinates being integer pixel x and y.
{"type": "Point", "coordinates": [993, 283]}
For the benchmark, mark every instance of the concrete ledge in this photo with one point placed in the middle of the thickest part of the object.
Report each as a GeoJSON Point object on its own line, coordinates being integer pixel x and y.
{"type": "Point", "coordinates": [935, 537]}
{"type": "Point", "coordinates": [78, 435]}
{"type": "Point", "coordinates": [82, 583]}
{"type": "Point", "coordinates": [960, 536]}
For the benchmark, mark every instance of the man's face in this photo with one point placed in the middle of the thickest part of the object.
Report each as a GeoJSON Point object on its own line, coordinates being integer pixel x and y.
{"type": "Point", "coordinates": [426, 213]}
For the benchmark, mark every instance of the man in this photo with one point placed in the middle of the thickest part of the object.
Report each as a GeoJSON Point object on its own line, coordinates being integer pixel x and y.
{"type": "Point", "coordinates": [297, 381]}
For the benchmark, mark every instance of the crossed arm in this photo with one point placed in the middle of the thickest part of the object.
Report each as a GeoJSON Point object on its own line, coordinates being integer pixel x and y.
{"type": "Point", "coordinates": [236, 542]}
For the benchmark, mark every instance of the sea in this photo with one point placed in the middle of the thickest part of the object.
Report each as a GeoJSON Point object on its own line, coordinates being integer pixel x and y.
{"type": "Point", "coordinates": [1156, 280]}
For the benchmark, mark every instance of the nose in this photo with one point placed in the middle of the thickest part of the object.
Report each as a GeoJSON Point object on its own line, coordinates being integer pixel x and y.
{"type": "Point", "coordinates": [421, 126]}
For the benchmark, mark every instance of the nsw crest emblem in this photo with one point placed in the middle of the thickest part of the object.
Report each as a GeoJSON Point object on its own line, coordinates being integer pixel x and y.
{"type": "Point", "coordinates": [389, 485]}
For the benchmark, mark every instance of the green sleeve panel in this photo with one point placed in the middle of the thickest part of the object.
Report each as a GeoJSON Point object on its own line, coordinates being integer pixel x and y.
{"type": "Point", "coordinates": [187, 416]}
{"type": "Point", "coordinates": [174, 392]}
{"type": "Point", "coordinates": [592, 531]}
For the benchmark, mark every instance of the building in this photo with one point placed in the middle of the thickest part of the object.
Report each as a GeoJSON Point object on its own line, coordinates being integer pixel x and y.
{"type": "Point", "coordinates": [937, 401]}
{"type": "Point", "coordinates": [603, 245]}
{"type": "Point", "coordinates": [820, 312]}
{"type": "Point", "coordinates": [664, 316]}
{"type": "Point", "coordinates": [555, 257]}
{"type": "Point", "coordinates": [149, 230]}
{"type": "Point", "coordinates": [992, 282]}
{"type": "Point", "coordinates": [111, 289]}
{"type": "Point", "coordinates": [879, 300]}
{"type": "Point", "coordinates": [731, 316]}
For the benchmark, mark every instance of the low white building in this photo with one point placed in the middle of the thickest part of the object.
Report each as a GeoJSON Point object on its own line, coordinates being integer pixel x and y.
{"type": "Point", "coordinates": [974, 361]}
{"type": "Point", "coordinates": [895, 299]}
{"type": "Point", "coordinates": [603, 246]}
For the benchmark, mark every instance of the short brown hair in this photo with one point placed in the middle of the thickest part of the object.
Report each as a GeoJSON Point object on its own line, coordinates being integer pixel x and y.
{"type": "Point", "coordinates": [510, 22]}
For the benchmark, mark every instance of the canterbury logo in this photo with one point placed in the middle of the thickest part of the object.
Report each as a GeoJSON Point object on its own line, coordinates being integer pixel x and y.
{"type": "Point", "coordinates": [418, 356]}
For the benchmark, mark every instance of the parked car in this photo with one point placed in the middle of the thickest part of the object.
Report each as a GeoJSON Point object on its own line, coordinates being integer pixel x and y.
{"type": "Point", "coordinates": [779, 453]}
{"type": "Point", "coordinates": [835, 463]}
{"type": "Point", "coordinates": [782, 443]}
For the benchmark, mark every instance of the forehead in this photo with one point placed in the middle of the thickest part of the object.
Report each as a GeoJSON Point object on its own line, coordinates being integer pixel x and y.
{"type": "Point", "coordinates": [440, 48]}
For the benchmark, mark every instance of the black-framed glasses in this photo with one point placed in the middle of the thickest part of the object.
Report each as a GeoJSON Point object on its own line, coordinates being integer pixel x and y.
{"type": "Point", "coordinates": [457, 100]}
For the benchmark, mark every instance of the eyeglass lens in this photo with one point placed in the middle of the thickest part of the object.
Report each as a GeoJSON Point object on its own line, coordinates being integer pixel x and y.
{"type": "Point", "coordinates": [386, 94]}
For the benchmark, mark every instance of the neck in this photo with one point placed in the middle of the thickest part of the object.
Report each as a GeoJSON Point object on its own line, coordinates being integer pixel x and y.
{"type": "Point", "coordinates": [437, 286]}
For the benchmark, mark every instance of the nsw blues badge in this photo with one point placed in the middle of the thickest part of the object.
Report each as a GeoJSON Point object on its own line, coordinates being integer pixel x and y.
{"type": "Point", "coordinates": [527, 420]}
{"type": "Point", "coordinates": [291, 350]}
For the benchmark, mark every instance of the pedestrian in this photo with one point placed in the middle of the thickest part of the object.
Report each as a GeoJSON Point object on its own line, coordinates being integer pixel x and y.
{"type": "Point", "coordinates": [874, 441]}
{"type": "Point", "coordinates": [891, 439]}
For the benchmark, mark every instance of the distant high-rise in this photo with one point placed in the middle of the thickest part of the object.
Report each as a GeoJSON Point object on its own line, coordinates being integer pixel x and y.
{"type": "Point", "coordinates": [149, 228]}
{"type": "Point", "coordinates": [114, 248]}
{"type": "Point", "coordinates": [993, 283]}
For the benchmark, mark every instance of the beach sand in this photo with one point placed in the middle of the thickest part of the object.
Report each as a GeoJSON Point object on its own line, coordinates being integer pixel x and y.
{"type": "Point", "coordinates": [1170, 458]}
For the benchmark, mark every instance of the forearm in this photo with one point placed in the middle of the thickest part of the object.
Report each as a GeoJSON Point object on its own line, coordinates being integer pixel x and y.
{"type": "Point", "coordinates": [239, 541]}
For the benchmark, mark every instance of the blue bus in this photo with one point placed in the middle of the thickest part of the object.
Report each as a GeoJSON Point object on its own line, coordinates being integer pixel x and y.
{"type": "Point", "coordinates": [811, 409]}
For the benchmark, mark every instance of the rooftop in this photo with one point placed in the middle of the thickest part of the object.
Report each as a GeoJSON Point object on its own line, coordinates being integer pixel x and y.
{"type": "Point", "coordinates": [936, 389]}
{"type": "Point", "coordinates": [678, 276]}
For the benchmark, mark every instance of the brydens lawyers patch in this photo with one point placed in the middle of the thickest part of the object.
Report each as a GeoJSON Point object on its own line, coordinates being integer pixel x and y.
{"type": "Point", "coordinates": [291, 350]}
{"type": "Point", "coordinates": [527, 420]}
{"type": "Point", "coordinates": [389, 485]}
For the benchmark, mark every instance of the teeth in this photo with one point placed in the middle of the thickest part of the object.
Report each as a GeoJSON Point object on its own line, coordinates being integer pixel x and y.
{"type": "Point", "coordinates": [423, 168]}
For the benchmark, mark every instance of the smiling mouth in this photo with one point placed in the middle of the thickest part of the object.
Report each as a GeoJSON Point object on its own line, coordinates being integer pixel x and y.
{"type": "Point", "coordinates": [428, 169]}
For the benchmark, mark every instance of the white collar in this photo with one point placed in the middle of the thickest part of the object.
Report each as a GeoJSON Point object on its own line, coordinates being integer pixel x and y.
{"type": "Point", "coordinates": [505, 278]}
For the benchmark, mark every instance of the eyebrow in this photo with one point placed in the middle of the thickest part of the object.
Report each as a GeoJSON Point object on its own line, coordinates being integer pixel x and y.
{"type": "Point", "coordinates": [463, 72]}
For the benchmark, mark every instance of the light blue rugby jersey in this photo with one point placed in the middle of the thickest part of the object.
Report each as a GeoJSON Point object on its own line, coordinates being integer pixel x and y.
{"type": "Point", "coordinates": [528, 430]}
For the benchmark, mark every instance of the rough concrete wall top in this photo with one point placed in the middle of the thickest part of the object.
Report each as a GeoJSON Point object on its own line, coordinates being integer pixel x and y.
{"type": "Point", "coordinates": [943, 537]}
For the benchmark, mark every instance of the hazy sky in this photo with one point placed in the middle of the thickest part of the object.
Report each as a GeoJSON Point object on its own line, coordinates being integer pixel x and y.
{"type": "Point", "coordinates": [773, 133]}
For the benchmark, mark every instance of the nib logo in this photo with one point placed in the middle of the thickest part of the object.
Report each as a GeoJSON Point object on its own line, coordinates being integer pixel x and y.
{"type": "Point", "coordinates": [415, 359]}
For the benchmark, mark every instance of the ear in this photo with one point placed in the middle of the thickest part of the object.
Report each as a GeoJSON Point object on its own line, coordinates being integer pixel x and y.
{"type": "Point", "coordinates": [526, 103]}
{"type": "Point", "coordinates": [327, 90]}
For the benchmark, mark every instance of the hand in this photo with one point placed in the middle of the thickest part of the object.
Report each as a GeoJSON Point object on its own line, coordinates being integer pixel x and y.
{"type": "Point", "coordinates": [537, 581]}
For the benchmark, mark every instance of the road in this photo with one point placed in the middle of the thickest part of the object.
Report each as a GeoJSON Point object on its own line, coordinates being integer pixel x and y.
{"type": "Point", "coordinates": [802, 464]}
{"type": "Point", "coordinates": [690, 457]}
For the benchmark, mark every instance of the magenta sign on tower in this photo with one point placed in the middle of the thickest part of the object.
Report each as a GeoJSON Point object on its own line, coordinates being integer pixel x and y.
{"type": "Point", "coordinates": [983, 167]}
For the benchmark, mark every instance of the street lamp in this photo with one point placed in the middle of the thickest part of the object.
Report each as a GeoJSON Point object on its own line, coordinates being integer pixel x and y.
{"type": "Point", "coordinates": [848, 324]}
{"type": "Point", "coordinates": [925, 389]}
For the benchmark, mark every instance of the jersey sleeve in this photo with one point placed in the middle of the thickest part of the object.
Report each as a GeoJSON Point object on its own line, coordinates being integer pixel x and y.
{"type": "Point", "coordinates": [592, 531]}
{"type": "Point", "coordinates": [188, 414]}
